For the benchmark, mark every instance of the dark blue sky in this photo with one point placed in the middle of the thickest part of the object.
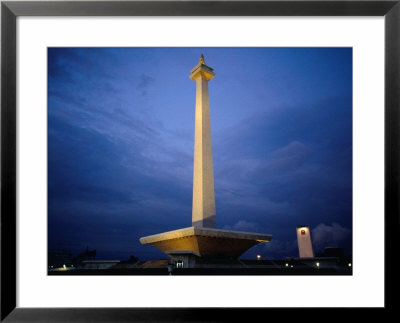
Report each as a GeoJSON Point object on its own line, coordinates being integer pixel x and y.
{"type": "Point", "coordinates": [121, 139]}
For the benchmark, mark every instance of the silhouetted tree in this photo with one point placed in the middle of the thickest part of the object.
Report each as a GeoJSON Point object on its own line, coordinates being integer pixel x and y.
{"type": "Point", "coordinates": [132, 259]}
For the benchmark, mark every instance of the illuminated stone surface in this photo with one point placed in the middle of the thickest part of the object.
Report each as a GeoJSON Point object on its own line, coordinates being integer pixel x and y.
{"type": "Point", "coordinates": [203, 239]}
{"type": "Point", "coordinates": [203, 207]}
{"type": "Point", "coordinates": [206, 242]}
{"type": "Point", "coordinates": [304, 242]}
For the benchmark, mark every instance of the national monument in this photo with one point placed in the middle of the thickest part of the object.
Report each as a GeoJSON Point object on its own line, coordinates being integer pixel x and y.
{"type": "Point", "coordinates": [203, 240]}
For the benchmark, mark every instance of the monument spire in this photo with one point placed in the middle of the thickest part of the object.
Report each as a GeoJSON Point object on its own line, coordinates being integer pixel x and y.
{"type": "Point", "coordinates": [202, 59]}
{"type": "Point", "coordinates": [203, 239]}
{"type": "Point", "coordinates": [203, 207]}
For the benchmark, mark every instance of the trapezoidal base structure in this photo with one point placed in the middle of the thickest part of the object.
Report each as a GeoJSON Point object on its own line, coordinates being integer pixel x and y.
{"type": "Point", "coordinates": [206, 242]}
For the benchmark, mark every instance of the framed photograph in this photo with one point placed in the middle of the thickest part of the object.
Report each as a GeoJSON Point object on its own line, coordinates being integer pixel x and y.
{"type": "Point", "coordinates": [238, 147]}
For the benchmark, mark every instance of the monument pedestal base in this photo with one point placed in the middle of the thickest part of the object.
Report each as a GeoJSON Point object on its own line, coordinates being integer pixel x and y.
{"type": "Point", "coordinates": [205, 242]}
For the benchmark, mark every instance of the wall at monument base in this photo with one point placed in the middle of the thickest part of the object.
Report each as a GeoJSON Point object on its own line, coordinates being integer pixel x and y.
{"type": "Point", "coordinates": [304, 242]}
{"type": "Point", "coordinates": [188, 260]}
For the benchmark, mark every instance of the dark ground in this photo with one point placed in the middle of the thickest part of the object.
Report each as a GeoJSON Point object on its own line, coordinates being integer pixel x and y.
{"type": "Point", "coordinates": [206, 271]}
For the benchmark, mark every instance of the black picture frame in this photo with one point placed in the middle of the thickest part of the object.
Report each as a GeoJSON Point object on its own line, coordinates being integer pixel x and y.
{"type": "Point", "coordinates": [10, 10]}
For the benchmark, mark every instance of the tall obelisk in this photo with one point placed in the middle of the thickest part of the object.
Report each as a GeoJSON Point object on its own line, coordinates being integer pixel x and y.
{"type": "Point", "coordinates": [203, 208]}
{"type": "Point", "coordinates": [203, 239]}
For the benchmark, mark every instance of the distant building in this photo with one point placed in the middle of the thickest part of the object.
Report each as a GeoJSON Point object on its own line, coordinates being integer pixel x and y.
{"type": "Point", "coordinates": [334, 252]}
{"type": "Point", "coordinates": [59, 258]}
{"type": "Point", "coordinates": [99, 264]}
{"type": "Point", "coordinates": [331, 258]}
{"type": "Point", "coordinates": [84, 256]}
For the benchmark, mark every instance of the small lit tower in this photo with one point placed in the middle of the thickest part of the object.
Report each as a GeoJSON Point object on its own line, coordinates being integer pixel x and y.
{"type": "Point", "coordinates": [203, 207]}
{"type": "Point", "coordinates": [304, 242]}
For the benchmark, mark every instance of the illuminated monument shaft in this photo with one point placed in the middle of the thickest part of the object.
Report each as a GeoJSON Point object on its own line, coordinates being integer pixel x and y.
{"type": "Point", "coordinates": [203, 208]}
{"type": "Point", "coordinates": [203, 239]}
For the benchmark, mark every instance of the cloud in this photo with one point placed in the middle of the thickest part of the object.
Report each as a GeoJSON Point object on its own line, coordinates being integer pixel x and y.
{"type": "Point", "coordinates": [324, 124]}
{"type": "Point", "coordinates": [286, 163]}
{"type": "Point", "coordinates": [242, 225]}
{"type": "Point", "coordinates": [144, 83]}
{"type": "Point", "coordinates": [333, 235]}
